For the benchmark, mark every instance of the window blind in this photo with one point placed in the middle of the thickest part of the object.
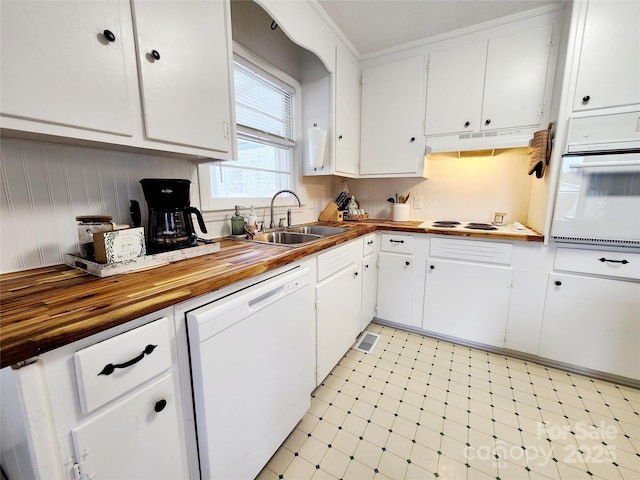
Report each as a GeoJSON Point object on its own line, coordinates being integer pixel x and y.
{"type": "Point", "coordinates": [264, 110]}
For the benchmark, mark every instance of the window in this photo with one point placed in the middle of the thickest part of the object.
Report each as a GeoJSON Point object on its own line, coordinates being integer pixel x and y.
{"type": "Point", "coordinates": [265, 101]}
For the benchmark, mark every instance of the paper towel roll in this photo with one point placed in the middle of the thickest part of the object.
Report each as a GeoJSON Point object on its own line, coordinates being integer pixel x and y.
{"type": "Point", "coordinates": [317, 144]}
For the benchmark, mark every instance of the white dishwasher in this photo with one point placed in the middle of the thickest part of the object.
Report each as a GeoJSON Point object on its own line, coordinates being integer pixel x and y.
{"type": "Point", "coordinates": [253, 370]}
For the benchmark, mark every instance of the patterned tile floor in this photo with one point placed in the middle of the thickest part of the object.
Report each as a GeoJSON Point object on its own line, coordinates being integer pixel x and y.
{"type": "Point", "coordinates": [421, 408]}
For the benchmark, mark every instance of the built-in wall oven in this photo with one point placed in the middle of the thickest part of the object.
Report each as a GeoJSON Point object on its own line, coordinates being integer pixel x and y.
{"type": "Point", "coordinates": [598, 194]}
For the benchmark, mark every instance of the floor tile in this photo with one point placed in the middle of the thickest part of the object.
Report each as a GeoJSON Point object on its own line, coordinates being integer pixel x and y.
{"type": "Point", "coordinates": [421, 408]}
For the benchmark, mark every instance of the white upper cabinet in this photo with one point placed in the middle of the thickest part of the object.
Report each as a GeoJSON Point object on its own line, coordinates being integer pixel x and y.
{"type": "Point", "coordinates": [488, 85]}
{"type": "Point", "coordinates": [392, 143]}
{"type": "Point", "coordinates": [609, 59]}
{"type": "Point", "coordinates": [63, 64]}
{"type": "Point", "coordinates": [514, 87]}
{"type": "Point", "coordinates": [185, 97]}
{"type": "Point", "coordinates": [69, 70]}
{"type": "Point", "coordinates": [454, 89]}
{"type": "Point", "coordinates": [347, 108]}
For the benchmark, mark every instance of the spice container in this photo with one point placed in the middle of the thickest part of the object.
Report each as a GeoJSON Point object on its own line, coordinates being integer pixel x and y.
{"type": "Point", "coordinates": [87, 226]}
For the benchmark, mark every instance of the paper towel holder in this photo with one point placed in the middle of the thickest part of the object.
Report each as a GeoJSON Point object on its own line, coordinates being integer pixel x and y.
{"type": "Point", "coordinates": [317, 145]}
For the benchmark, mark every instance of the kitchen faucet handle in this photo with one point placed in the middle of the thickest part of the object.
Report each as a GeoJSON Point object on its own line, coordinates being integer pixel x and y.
{"type": "Point", "coordinates": [281, 223]}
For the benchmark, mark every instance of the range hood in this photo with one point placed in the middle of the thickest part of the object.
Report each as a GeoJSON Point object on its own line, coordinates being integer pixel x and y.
{"type": "Point", "coordinates": [483, 140]}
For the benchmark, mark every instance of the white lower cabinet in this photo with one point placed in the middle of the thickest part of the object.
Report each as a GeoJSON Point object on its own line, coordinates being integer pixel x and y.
{"type": "Point", "coordinates": [136, 436]}
{"type": "Point", "coordinates": [401, 264]}
{"type": "Point", "coordinates": [395, 287]}
{"type": "Point", "coordinates": [592, 323]}
{"type": "Point", "coordinates": [369, 279]}
{"type": "Point", "coordinates": [467, 300]}
{"type": "Point", "coordinates": [592, 315]}
{"type": "Point", "coordinates": [467, 289]}
{"type": "Point", "coordinates": [338, 304]}
{"type": "Point", "coordinates": [130, 424]}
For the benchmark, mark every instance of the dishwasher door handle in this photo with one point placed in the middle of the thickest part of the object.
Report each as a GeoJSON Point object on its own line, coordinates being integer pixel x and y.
{"type": "Point", "coordinates": [266, 299]}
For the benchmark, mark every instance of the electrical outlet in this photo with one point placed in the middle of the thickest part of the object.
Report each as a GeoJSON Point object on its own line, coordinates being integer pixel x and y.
{"type": "Point", "coordinates": [417, 202]}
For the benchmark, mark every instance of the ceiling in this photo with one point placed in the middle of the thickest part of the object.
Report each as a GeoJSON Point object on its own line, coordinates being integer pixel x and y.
{"type": "Point", "coordinates": [374, 25]}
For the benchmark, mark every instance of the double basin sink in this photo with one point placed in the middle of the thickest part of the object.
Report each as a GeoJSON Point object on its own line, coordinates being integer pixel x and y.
{"type": "Point", "coordinates": [297, 236]}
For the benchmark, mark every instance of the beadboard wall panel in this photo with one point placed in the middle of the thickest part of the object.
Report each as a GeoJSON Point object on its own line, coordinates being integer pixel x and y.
{"type": "Point", "coordinates": [44, 186]}
{"type": "Point", "coordinates": [467, 188]}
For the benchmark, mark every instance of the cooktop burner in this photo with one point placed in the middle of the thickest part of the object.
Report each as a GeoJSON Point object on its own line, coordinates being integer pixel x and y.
{"type": "Point", "coordinates": [480, 226]}
{"type": "Point", "coordinates": [446, 224]}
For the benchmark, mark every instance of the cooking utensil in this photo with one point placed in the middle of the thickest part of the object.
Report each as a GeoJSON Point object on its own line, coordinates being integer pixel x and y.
{"type": "Point", "coordinates": [406, 199]}
{"type": "Point", "coordinates": [401, 198]}
{"type": "Point", "coordinates": [391, 200]}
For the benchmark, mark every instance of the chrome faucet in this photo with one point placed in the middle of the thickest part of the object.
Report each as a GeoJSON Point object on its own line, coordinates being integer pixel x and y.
{"type": "Point", "coordinates": [273, 224]}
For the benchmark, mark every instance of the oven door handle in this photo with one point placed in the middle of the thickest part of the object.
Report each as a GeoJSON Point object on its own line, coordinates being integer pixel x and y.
{"type": "Point", "coordinates": [634, 163]}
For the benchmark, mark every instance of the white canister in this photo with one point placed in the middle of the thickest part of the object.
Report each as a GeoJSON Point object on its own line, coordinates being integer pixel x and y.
{"type": "Point", "coordinates": [400, 212]}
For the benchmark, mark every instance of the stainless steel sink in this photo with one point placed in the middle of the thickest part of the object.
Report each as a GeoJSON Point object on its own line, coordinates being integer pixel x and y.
{"type": "Point", "coordinates": [317, 230]}
{"type": "Point", "coordinates": [285, 238]}
{"type": "Point", "coordinates": [298, 235]}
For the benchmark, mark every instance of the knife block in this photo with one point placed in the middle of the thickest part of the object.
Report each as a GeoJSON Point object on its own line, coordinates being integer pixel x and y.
{"type": "Point", "coordinates": [331, 213]}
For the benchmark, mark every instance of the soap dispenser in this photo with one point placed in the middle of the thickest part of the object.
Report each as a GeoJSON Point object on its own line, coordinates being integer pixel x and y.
{"type": "Point", "coordinates": [237, 223]}
{"type": "Point", "coordinates": [253, 218]}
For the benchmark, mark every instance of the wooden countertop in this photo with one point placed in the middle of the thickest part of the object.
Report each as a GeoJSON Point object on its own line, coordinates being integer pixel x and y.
{"type": "Point", "coordinates": [46, 308]}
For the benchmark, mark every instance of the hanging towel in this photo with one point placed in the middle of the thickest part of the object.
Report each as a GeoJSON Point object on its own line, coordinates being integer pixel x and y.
{"type": "Point", "coordinates": [540, 151]}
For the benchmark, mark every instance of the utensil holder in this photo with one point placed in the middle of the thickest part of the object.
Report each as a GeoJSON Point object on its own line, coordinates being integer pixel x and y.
{"type": "Point", "coordinates": [400, 212]}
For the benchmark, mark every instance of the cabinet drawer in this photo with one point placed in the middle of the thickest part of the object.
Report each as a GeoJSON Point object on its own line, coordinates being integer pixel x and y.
{"type": "Point", "coordinates": [336, 259]}
{"type": "Point", "coordinates": [110, 368]}
{"type": "Point", "coordinates": [391, 242]}
{"type": "Point", "coordinates": [474, 250]}
{"type": "Point", "coordinates": [598, 262]}
{"type": "Point", "coordinates": [369, 244]}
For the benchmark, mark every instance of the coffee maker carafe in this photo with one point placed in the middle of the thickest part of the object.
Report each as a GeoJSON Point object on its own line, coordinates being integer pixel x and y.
{"type": "Point", "coordinates": [170, 226]}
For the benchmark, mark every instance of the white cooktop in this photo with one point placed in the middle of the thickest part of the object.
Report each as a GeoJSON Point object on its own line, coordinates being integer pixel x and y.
{"type": "Point", "coordinates": [512, 228]}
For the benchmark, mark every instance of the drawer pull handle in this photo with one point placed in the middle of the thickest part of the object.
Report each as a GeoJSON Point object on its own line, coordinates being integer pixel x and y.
{"type": "Point", "coordinates": [110, 367]}
{"type": "Point", "coordinates": [624, 262]}
{"type": "Point", "coordinates": [396, 241]}
{"type": "Point", "coordinates": [159, 406]}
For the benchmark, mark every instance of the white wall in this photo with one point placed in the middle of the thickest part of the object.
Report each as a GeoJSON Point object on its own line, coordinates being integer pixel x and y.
{"type": "Point", "coordinates": [44, 186]}
{"type": "Point", "coordinates": [467, 188]}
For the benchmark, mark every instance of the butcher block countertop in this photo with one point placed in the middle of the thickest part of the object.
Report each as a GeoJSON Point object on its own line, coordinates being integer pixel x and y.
{"type": "Point", "coordinates": [46, 308]}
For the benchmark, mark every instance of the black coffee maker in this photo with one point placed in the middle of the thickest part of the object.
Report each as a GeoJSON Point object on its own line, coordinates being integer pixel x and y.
{"type": "Point", "coordinates": [170, 226]}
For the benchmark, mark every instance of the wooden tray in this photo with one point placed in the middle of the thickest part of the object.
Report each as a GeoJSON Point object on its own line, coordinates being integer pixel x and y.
{"type": "Point", "coordinates": [148, 261]}
{"type": "Point", "coordinates": [356, 218]}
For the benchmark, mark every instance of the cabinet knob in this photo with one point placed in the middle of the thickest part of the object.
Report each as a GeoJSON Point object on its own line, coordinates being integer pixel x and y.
{"type": "Point", "coordinates": [413, 139]}
{"type": "Point", "coordinates": [586, 99]}
{"type": "Point", "coordinates": [366, 266]}
{"type": "Point", "coordinates": [407, 263]}
{"type": "Point", "coordinates": [432, 267]}
{"type": "Point", "coordinates": [155, 54]}
{"type": "Point", "coordinates": [159, 406]}
{"type": "Point", "coordinates": [557, 283]}
{"type": "Point", "coordinates": [487, 121]}
{"type": "Point", "coordinates": [466, 124]}
{"type": "Point", "coordinates": [355, 274]}
{"type": "Point", "coordinates": [339, 137]}
{"type": "Point", "coordinates": [108, 34]}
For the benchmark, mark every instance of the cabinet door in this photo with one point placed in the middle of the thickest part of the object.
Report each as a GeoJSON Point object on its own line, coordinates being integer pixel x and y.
{"type": "Point", "coordinates": [467, 301]}
{"type": "Point", "coordinates": [454, 89]}
{"type": "Point", "coordinates": [136, 438]}
{"type": "Point", "coordinates": [395, 287]}
{"type": "Point", "coordinates": [186, 88]}
{"type": "Point", "coordinates": [339, 316]}
{"type": "Point", "coordinates": [369, 289]}
{"type": "Point", "coordinates": [609, 63]}
{"type": "Point", "coordinates": [392, 109]}
{"type": "Point", "coordinates": [347, 104]}
{"type": "Point", "coordinates": [592, 323]}
{"type": "Point", "coordinates": [40, 78]}
{"type": "Point", "coordinates": [515, 79]}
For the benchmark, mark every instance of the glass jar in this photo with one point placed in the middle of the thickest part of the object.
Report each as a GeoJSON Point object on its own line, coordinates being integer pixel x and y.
{"type": "Point", "coordinates": [87, 226]}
